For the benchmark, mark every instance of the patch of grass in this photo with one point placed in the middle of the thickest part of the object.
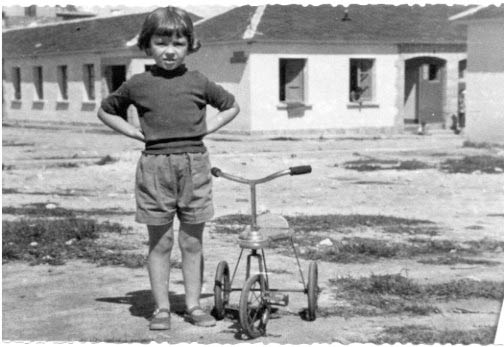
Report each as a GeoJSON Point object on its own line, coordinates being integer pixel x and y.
{"type": "Point", "coordinates": [452, 260]}
{"type": "Point", "coordinates": [495, 215]}
{"type": "Point", "coordinates": [380, 164]}
{"type": "Point", "coordinates": [106, 160]}
{"type": "Point", "coordinates": [483, 145]}
{"type": "Point", "coordinates": [478, 163]}
{"type": "Point", "coordinates": [17, 144]}
{"type": "Point", "coordinates": [66, 192]}
{"type": "Point", "coordinates": [66, 165]}
{"type": "Point", "coordinates": [52, 210]}
{"type": "Point", "coordinates": [373, 182]}
{"type": "Point", "coordinates": [335, 223]}
{"type": "Point", "coordinates": [379, 295]}
{"type": "Point", "coordinates": [420, 334]}
{"type": "Point", "coordinates": [224, 139]}
{"type": "Point", "coordinates": [396, 294]}
{"type": "Point", "coordinates": [53, 241]}
{"type": "Point", "coordinates": [7, 167]}
{"type": "Point", "coordinates": [284, 138]}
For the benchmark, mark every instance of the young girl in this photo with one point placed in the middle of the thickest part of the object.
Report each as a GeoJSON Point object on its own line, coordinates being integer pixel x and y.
{"type": "Point", "coordinates": [173, 173]}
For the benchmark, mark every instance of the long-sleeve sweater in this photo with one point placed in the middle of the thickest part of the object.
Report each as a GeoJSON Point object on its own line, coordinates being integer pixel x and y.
{"type": "Point", "coordinates": [171, 106]}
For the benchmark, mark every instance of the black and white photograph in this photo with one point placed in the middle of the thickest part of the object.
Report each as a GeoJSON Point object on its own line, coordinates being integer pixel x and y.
{"type": "Point", "coordinates": [253, 172]}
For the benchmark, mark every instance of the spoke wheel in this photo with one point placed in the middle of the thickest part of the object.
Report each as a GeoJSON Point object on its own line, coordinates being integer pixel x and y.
{"type": "Point", "coordinates": [313, 291]}
{"type": "Point", "coordinates": [221, 289]}
{"type": "Point", "coordinates": [254, 309]}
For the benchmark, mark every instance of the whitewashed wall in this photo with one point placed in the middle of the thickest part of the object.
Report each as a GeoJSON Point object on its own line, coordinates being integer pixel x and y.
{"type": "Point", "coordinates": [327, 89]}
{"type": "Point", "coordinates": [485, 82]}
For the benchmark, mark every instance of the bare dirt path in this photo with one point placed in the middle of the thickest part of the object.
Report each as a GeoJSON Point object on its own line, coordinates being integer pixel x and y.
{"type": "Point", "coordinates": [81, 301]}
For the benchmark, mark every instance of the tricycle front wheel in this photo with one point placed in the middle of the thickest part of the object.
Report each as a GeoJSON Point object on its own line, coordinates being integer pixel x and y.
{"type": "Point", "coordinates": [254, 307]}
{"type": "Point", "coordinates": [313, 291]}
{"type": "Point", "coordinates": [221, 289]}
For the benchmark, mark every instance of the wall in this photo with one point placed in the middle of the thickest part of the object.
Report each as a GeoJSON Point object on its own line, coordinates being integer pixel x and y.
{"type": "Point", "coordinates": [327, 86]}
{"type": "Point", "coordinates": [52, 108]}
{"type": "Point", "coordinates": [485, 82]}
{"type": "Point", "coordinates": [214, 61]}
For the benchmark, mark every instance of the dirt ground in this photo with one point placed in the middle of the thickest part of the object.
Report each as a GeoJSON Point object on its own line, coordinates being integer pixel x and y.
{"type": "Point", "coordinates": [80, 301]}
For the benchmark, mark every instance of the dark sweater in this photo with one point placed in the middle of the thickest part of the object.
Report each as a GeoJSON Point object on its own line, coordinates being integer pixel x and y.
{"type": "Point", "coordinates": [171, 107]}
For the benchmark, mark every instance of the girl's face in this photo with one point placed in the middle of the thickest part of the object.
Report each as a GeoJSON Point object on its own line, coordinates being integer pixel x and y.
{"type": "Point", "coordinates": [168, 52]}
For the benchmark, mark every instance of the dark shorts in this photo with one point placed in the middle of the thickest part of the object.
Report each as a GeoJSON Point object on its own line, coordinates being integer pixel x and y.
{"type": "Point", "coordinates": [174, 184]}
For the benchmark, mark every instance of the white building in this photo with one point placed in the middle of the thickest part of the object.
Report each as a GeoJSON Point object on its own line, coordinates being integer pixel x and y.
{"type": "Point", "coordinates": [361, 68]}
{"type": "Point", "coordinates": [485, 73]}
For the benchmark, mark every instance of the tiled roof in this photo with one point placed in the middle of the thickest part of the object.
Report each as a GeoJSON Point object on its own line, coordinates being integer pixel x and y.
{"type": "Point", "coordinates": [488, 12]}
{"type": "Point", "coordinates": [368, 23]}
{"type": "Point", "coordinates": [97, 34]}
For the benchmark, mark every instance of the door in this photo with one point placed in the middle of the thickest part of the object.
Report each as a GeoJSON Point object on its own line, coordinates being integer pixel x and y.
{"type": "Point", "coordinates": [424, 90]}
{"type": "Point", "coordinates": [430, 93]}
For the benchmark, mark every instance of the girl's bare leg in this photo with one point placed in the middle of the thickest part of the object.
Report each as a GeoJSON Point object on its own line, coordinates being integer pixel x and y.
{"type": "Point", "coordinates": [191, 246]}
{"type": "Point", "coordinates": [158, 265]}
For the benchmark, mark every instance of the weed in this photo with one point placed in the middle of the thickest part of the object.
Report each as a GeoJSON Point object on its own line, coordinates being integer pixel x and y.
{"type": "Point", "coordinates": [7, 167]}
{"type": "Point", "coordinates": [396, 294]}
{"type": "Point", "coordinates": [478, 163]}
{"type": "Point", "coordinates": [46, 210]}
{"type": "Point", "coordinates": [379, 295]}
{"type": "Point", "coordinates": [17, 144]}
{"type": "Point", "coordinates": [53, 241]}
{"type": "Point", "coordinates": [483, 145]}
{"type": "Point", "coordinates": [420, 334]}
{"type": "Point", "coordinates": [373, 182]}
{"type": "Point", "coordinates": [66, 165]}
{"type": "Point", "coordinates": [106, 160]}
{"type": "Point", "coordinates": [284, 138]}
{"type": "Point", "coordinates": [451, 260]}
{"type": "Point", "coordinates": [380, 164]}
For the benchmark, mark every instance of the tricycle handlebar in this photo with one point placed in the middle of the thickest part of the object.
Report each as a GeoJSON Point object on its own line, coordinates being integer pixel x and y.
{"type": "Point", "coordinates": [296, 170]}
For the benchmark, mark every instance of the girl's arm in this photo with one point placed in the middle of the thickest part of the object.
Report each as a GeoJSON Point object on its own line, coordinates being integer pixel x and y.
{"type": "Point", "coordinates": [120, 125]}
{"type": "Point", "coordinates": [220, 119]}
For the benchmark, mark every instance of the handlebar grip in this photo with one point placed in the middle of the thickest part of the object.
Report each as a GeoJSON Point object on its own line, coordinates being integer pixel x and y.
{"type": "Point", "coordinates": [300, 170]}
{"type": "Point", "coordinates": [216, 171]}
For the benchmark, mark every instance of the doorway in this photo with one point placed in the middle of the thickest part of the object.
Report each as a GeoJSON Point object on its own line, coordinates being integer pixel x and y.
{"type": "Point", "coordinates": [424, 90]}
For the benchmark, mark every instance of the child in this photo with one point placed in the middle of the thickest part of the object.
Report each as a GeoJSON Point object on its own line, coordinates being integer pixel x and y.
{"type": "Point", "coordinates": [173, 173]}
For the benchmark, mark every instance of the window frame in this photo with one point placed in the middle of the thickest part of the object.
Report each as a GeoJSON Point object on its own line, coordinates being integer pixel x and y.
{"type": "Point", "coordinates": [89, 80]}
{"type": "Point", "coordinates": [62, 78]}
{"type": "Point", "coordinates": [356, 96]}
{"type": "Point", "coordinates": [38, 81]}
{"type": "Point", "coordinates": [16, 83]}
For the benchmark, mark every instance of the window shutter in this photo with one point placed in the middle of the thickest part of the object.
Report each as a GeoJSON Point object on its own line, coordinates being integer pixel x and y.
{"type": "Point", "coordinates": [294, 80]}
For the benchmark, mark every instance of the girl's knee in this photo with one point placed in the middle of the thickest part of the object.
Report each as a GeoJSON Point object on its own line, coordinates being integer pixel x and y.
{"type": "Point", "coordinates": [190, 244]}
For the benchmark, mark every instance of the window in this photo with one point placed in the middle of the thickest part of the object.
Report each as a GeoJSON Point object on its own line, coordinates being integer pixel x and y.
{"type": "Point", "coordinates": [89, 80]}
{"type": "Point", "coordinates": [63, 82]}
{"type": "Point", "coordinates": [16, 81]}
{"type": "Point", "coordinates": [433, 72]}
{"type": "Point", "coordinates": [115, 75]}
{"type": "Point", "coordinates": [462, 67]}
{"type": "Point", "coordinates": [38, 80]}
{"type": "Point", "coordinates": [361, 80]}
{"type": "Point", "coordinates": [292, 88]}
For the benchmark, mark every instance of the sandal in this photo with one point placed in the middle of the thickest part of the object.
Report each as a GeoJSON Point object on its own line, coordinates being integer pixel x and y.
{"type": "Point", "coordinates": [160, 323]}
{"type": "Point", "coordinates": [200, 320]}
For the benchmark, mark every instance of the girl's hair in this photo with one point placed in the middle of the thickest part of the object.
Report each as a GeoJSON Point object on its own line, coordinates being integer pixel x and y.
{"type": "Point", "coordinates": [168, 21]}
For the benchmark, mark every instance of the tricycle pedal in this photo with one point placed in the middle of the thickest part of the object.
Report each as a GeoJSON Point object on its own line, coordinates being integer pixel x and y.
{"type": "Point", "coordinates": [278, 299]}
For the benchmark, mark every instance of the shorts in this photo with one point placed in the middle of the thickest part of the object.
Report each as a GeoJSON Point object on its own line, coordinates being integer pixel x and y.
{"type": "Point", "coordinates": [173, 184]}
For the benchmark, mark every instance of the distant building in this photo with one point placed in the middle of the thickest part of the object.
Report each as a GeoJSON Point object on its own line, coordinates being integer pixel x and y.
{"type": "Point", "coordinates": [19, 16]}
{"type": "Point", "coordinates": [361, 68]}
{"type": "Point", "coordinates": [484, 101]}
